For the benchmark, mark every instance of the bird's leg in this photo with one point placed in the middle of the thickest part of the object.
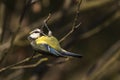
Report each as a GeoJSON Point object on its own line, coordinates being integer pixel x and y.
{"type": "Point", "coordinates": [67, 58]}
{"type": "Point", "coordinates": [43, 34]}
{"type": "Point", "coordinates": [33, 54]}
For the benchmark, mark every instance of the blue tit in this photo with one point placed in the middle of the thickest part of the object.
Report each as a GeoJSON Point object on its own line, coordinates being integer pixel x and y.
{"type": "Point", "coordinates": [48, 43]}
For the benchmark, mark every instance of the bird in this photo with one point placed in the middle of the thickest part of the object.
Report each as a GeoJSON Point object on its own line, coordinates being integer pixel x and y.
{"type": "Point", "coordinates": [48, 43]}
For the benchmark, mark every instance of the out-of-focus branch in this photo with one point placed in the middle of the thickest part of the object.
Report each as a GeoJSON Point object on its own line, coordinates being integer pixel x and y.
{"type": "Point", "coordinates": [101, 66]}
{"type": "Point", "coordinates": [94, 4]}
{"type": "Point", "coordinates": [28, 3]}
{"type": "Point", "coordinates": [13, 75]}
{"type": "Point", "coordinates": [2, 9]}
{"type": "Point", "coordinates": [101, 27]}
{"type": "Point", "coordinates": [11, 43]}
{"type": "Point", "coordinates": [16, 32]}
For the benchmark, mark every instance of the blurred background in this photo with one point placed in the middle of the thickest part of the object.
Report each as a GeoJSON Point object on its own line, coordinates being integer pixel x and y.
{"type": "Point", "coordinates": [97, 39]}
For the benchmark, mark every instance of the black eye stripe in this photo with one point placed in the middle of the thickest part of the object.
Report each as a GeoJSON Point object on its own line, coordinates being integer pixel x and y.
{"type": "Point", "coordinates": [36, 32]}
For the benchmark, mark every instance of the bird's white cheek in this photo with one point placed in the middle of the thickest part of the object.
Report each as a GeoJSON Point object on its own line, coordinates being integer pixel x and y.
{"type": "Point", "coordinates": [34, 35]}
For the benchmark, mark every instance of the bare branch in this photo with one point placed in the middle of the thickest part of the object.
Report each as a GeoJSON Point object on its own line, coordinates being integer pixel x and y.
{"type": "Point", "coordinates": [25, 60]}
{"type": "Point", "coordinates": [32, 65]}
{"type": "Point", "coordinates": [111, 55]}
{"type": "Point", "coordinates": [46, 20]}
{"type": "Point", "coordinates": [74, 23]}
{"type": "Point", "coordinates": [71, 31]}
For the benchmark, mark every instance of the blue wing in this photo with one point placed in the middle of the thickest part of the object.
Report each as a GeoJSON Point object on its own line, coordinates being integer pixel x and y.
{"type": "Point", "coordinates": [51, 50]}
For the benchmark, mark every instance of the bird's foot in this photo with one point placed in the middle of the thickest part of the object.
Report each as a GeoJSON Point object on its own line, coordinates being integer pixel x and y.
{"type": "Point", "coordinates": [67, 58]}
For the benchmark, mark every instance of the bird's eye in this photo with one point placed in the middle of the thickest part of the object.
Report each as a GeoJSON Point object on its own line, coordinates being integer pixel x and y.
{"type": "Point", "coordinates": [36, 32]}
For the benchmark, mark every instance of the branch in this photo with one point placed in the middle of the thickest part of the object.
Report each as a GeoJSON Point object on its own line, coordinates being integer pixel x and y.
{"type": "Point", "coordinates": [74, 23]}
{"type": "Point", "coordinates": [111, 55]}
{"type": "Point", "coordinates": [46, 20]}
{"type": "Point", "coordinates": [25, 60]}
{"type": "Point", "coordinates": [30, 66]}
{"type": "Point", "coordinates": [70, 32]}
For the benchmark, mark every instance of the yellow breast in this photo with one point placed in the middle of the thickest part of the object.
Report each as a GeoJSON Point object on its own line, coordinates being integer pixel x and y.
{"type": "Point", "coordinates": [50, 40]}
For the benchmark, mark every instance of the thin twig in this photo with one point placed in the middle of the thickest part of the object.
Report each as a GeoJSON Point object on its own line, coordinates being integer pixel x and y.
{"type": "Point", "coordinates": [25, 60]}
{"type": "Point", "coordinates": [74, 23]}
{"type": "Point", "coordinates": [70, 32]}
{"type": "Point", "coordinates": [46, 20]}
{"type": "Point", "coordinates": [28, 3]}
{"type": "Point", "coordinates": [30, 66]}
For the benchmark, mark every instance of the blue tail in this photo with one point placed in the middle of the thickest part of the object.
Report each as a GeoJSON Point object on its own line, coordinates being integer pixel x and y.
{"type": "Point", "coordinates": [66, 53]}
